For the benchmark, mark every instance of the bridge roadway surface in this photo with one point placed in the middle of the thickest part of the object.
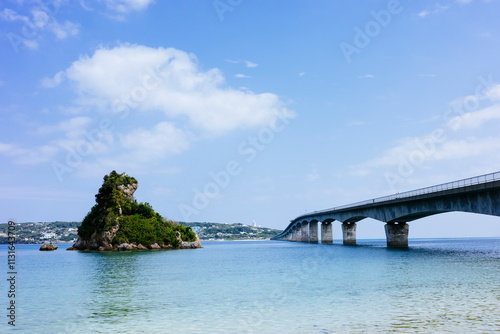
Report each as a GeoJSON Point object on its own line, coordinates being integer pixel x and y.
{"type": "Point", "coordinates": [480, 194]}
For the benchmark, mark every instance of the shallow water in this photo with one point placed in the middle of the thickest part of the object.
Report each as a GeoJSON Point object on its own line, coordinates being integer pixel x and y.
{"type": "Point", "coordinates": [436, 285]}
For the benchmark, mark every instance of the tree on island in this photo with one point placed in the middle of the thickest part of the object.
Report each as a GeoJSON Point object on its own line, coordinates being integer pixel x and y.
{"type": "Point", "coordinates": [118, 221]}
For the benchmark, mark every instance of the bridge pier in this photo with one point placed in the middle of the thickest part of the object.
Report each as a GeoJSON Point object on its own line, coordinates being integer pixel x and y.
{"type": "Point", "coordinates": [326, 233]}
{"type": "Point", "coordinates": [295, 234]}
{"type": "Point", "coordinates": [349, 233]}
{"type": "Point", "coordinates": [305, 232]}
{"type": "Point", "coordinates": [313, 231]}
{"type": "Point", "coordinates": [397, 234]}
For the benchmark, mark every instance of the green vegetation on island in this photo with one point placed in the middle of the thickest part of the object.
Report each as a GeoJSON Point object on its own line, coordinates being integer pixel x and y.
{"type": "Point", "coordinates": [118, 219]}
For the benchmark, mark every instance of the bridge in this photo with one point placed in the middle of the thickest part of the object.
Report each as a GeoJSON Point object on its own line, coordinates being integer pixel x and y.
{"type": "Point", "coordinates": [480, 194]}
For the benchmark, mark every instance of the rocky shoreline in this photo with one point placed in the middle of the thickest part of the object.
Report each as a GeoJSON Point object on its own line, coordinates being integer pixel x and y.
{"type": "Point", "coordinates": [137, 247]}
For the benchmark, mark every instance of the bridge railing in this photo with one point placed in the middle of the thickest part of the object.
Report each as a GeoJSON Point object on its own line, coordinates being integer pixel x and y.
{"type": "Point", "coordinates": [422, 191]}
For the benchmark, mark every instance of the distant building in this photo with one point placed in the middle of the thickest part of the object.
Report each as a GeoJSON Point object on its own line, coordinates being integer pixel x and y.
{"type": "Point", "coordinates": [49, 235]}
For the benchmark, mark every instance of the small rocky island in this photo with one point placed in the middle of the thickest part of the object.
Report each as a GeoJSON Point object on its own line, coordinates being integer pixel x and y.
{"type": "Point", "coordinates": [48, 247]}
{"type": "Point", "coordinates": [118, 222]}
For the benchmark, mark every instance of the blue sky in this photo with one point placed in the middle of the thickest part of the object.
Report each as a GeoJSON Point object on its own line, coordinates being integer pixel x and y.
{"type": "Point", "coordinates": [235, 110]}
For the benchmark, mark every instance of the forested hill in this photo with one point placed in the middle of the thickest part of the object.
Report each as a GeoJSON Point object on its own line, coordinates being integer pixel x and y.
{"type": "Point", "coordinates": [58, 232]}
{"type": "Point", "coordinates": [236, 231]}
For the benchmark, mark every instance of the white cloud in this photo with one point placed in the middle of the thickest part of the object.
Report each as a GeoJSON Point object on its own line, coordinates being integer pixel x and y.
{"type": "Point", "coordinates": [64, 30]}
{"type": "Point", "coordinates": [301, 74]}
{"type": "Point", "coordinates": [40, 21]}
{"type": "Point", "coordinates": [86, 6]}
{"type": "Point", "coordinates": [126, 6]}
{"type": "Point", "coordinates": [438, 148]}
{"type": "Point", "coordinates": [11, 16]}
{"type": "Point", "coordinates": [239, 75]}
{"type": "Point", "coordinates": [416, 152]}
{"type": "Point", "coordinates": [493, 93]}
{"type": "Point", "coordinates": [475, 119]}
{"type": "Point", "coordinates": [313, 176]}
{"type": "Point", "coordinates": [70, 135]}
{"type": "Point", "coordinates": [366, 76]}
{"type": "Point", "coordinates": [73, 127]}
{"type": "Point", "coordinates": [163, 139]}
{"type": "Point", "coordinates": [437, 9]}
{"type": "Point", "coordinates": [246, 62]}
{"type": "Point", "coordinates": [54, 81]}
{"type": "Point", "coordinates": [31, 156]}
{"type": "Point", "coordinates": [145, 79]}
{"type": "Point", "coordinates": [250, 64]}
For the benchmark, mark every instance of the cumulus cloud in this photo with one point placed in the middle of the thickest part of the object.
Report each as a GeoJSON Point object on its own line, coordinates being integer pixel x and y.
{"type": "Point", "coordinates": [135, 78]}
{"type": "Point", "coordinates": [157, 101]}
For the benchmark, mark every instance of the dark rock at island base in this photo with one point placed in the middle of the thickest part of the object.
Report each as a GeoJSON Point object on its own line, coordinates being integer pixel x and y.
{"type": "Point", "coordinates": [125, 247]}
{"type": "Point", "coordinates": [48, 247]}
{"type": "Point", "coordinates": [193, 244]}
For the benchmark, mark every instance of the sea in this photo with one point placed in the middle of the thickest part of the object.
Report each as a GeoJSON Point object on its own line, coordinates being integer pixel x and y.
{"type": "Point", "coordinates": [433, 286]}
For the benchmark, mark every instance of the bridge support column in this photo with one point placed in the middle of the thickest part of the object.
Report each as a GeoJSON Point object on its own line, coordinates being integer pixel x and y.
{"type": "Point", "coordinates": [305, 232]}
{"type": "Point", "coordinates": [295, 233]}
{"type": "Point", "coordinates": [397, 234]}
{"type": "Point", "coordinates": [349, 233]}
{"type": "Point", "coordinates": [313, 231]}
{"type": "Point", "coordinates": [326, 233]}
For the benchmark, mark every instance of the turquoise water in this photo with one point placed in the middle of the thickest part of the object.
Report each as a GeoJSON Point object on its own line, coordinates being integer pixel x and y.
{"type": "Point", "coordinates": [437, 285]}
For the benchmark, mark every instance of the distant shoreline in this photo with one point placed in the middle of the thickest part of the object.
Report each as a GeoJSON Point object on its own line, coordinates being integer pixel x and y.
{"type": "Point", "coordinates": [336, 241]}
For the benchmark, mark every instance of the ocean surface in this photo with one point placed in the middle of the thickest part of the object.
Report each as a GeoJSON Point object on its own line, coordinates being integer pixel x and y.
{"type": "Point", "coordinates": [434, 286]}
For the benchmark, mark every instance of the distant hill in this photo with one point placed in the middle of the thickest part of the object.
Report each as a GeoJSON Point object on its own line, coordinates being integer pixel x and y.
{"type": "Point", "coordinates": [37, 233]}
{"type": "Point", "coordinates": [67, 232]}
{"type": "Point", "coordinates": [236, 231]}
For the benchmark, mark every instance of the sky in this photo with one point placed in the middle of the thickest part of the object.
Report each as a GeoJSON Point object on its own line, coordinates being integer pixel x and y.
{"type": "Point", "coordinates": [240, 111]}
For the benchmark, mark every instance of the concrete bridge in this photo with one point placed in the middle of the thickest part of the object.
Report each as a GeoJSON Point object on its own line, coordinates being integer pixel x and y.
{"type": "Point", "coordinates": [480, 194]}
